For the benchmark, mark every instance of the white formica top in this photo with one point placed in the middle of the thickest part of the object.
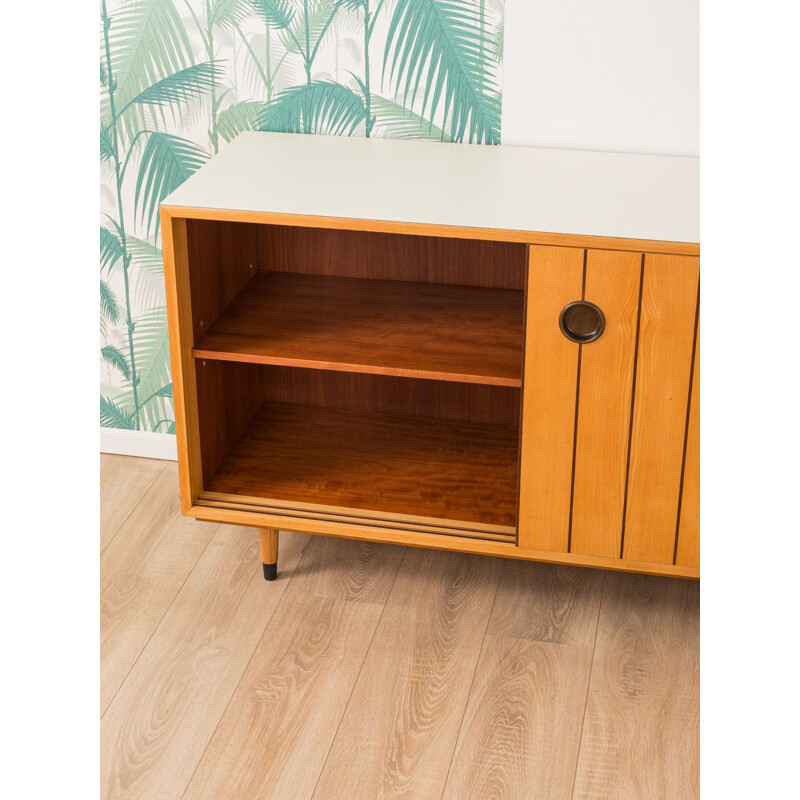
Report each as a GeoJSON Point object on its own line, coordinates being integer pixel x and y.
{"type": "Point", "coordinates": [477, 186]}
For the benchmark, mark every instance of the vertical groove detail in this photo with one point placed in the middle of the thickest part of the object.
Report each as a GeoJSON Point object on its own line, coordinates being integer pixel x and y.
{"type": "Point", "coordinates": [577, 404]}
{"type": "Point", "coordinates": [686, 429]}
{"type": "Point", "coordinates": [525, 285]}
{"type": "Point", "coordinates": [633, 406]}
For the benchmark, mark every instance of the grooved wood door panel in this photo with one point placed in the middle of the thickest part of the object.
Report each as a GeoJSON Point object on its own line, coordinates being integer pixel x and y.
{"type": "Point", "coordinates": [688, 553]}
{"type": "Point", "coordinates": [555, 278]}
{"type": "Point", "coordinates": [663, 371]}
{"type": "Point", "coordinates": [604, 405]}
{"type": "Point", "coordinates": [641, 731]}
{"type": "Point", "coordinates": [400, 728]}
{"type": "Point", "coordinates": [522, 727]}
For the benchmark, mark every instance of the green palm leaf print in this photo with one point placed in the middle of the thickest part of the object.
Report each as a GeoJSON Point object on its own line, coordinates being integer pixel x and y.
{"type": "Point", "coordinates": [180, 86]}
{"type": "Point", "coordinates": [239, 117]}
{"type": "Point", "coordinates": [147, 42]}
{"type": "Point", "coordinates": [400, 123]}
{"type": "Point", "coordinates": [109, 303]}
{"type": "Point", "coordinates": [167, 161]}
{"type": "Point", "coordinates": [112, 355]}
{"type": "Point", "coordinates": [317, 107]}
{"type": "Point", "coordinates": [276, 12]}
{"type": "Point", "coordinates": [439, 45]}
{"type": "Point", "coordinates": [113, 416]}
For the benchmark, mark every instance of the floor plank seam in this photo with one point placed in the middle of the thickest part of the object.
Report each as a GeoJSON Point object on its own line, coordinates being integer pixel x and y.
{"type": "Point", "coordinates": [588, 685]}
{"type": "Point", "coordinates": [472, 682]}
{"type": "Point", "coordinates": [134, 507]}
{"type": "Point", "coordinates": [244, 672]}
{"type": "Point", "coordinates": [358, 675]}
{"type": "Point", "coordinates": [502, 749]}
{"type": "Point", "coordinates": [163, 617]}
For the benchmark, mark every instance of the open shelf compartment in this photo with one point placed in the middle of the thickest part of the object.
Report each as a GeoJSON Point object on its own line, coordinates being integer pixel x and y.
{"type": "Point", "coordinates": [362, 449]}
{"type": "Point", "coordinates": [421, 330]}
{"type": "Point", "coordinates": [355, 301]}
{"type": "Point", "coordinates": [369, 378]}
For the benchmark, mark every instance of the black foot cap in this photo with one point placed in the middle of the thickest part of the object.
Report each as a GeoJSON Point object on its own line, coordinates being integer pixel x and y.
{"type": "Point", "coordinates": [270, 571]}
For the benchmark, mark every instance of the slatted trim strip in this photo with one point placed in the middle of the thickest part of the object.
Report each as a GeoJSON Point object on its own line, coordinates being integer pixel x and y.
{"type": "Point", "coordinates": [687, 533]}
{"type": "Point", "coordinates": [356, 517]}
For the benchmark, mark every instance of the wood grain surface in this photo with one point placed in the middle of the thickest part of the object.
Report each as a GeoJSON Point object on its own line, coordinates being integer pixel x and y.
{"type": "Point", "coordinates": [141, 570]}
{"type": "Point", "coordinates": [294, 692]}
{"type": "Point", "coordinates": [381, 462]}
{"type": "Point", "coordinates": [400, 728]}
{"type": "Point", "coordinates": [222, 259]}
{"type": "Point", "coordinates": [324, 250]}
{"type": "Point", "coordinates": [478, 539]}
{"type": "Point", "coordinates": [641, 732]}
{"type": "Point", "coordinates": [268, 542]}
{"type": "Point", "coordinates": [518, 738]}
{"type": "Point", "coordinates": [416, 330]}
{"type": "Point", "coordinates": [604, 406]}
{"type": "Point", "coordinates": [160, 722]}
{"type": "Point", "coordinates": [688, 544]}
{"type": "Point", "coordinates": [228, 397]}
{"type": "Point", "coordinates": [555, 278]}
{"type": "Point", "coordinates": [376, 671]}
{"type": "Point", "coordinates": [123, 481]}
{"type": "Point", "coordinates": [384, 394]}
{"type": "Point", "coordinates": [182, 336]}
{"type": "Point", "coordinates": [663, 372]}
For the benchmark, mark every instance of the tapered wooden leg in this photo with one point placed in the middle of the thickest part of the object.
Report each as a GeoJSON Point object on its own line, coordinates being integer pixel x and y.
{"type": "Point", "coordinates": [268, 539]}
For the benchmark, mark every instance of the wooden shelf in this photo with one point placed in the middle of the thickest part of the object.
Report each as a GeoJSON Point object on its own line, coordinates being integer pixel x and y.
{"type": "Point", "coordinates": [397, 464]}
{"type": "Point", "coordinates": [434, 331]}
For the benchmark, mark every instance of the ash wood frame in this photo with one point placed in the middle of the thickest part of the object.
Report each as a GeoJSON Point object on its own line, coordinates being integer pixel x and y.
{"type": "Point", "coordinates": [413, 532]}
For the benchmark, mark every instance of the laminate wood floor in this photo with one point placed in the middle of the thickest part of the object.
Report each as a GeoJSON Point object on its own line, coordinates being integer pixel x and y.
{"type": "Point", "coordinates": [370, 671]}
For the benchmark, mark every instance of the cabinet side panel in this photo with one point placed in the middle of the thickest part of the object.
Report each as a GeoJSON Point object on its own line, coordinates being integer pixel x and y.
{"type": "Point", "coordinates": [555, 278]}
{"type": "Point", "coordinates": [228, 397]}
{"type": "Point", "coordinates": [223, 258]}
{"type": "Point", "coordinates": [613, 280]}
{"type": "Point", "coordinates": [666, 339]}
{"type": "Point", "coordinates": [181, 339]}
{"type": "Point", "coordinates": [688, 553]}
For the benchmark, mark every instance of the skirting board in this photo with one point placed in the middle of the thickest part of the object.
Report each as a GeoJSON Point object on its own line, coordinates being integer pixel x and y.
{"type": "Point", "coordinates": [145, 444]}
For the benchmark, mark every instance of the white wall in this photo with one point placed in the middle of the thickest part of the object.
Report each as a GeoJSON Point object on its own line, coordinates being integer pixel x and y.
{"type": "Point", "coordinates": [618, 75]}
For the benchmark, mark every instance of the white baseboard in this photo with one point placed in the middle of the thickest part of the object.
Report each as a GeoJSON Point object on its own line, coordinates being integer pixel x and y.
{"type": "Point", "coordinates": [138, 443]}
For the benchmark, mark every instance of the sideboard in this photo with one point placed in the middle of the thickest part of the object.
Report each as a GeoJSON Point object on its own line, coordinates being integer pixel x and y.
{"type": "Point", "coordinates": [492, 350]}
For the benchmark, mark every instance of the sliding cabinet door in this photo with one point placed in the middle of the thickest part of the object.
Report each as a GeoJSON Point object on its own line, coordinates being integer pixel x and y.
{"type": "Point", "coordinates": [610, 343]}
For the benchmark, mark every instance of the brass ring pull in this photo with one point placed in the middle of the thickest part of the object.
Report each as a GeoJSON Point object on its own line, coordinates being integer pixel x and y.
{"type": "Point", "coordinates": [581, 321]}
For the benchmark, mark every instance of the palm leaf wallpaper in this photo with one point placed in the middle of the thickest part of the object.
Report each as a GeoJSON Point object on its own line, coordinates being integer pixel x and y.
{"type": "Point", "coordinates": [179, 79]}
